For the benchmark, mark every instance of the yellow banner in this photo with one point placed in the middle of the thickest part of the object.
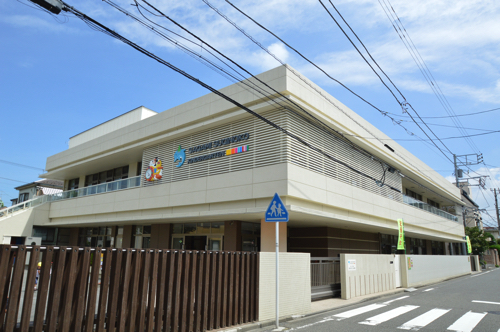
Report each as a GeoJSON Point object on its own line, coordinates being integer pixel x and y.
{"type": "Point", "coordinates": [401, 237]}
{"type": "Point", "coordinates": [469, 246]}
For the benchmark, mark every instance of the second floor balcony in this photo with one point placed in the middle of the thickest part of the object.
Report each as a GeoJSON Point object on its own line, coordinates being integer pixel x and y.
{"type": "Point", "coordinates": [427, 207]}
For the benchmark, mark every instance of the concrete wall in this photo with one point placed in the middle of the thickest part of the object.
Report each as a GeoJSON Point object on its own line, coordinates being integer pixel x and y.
{"type": "Point", "coordinates": [121, 121]}
{"type": "Point", "coordinates": [295, 284]}
{"type": "Point", "coordinates": [366, 274]}
{"type": "Point", "coordinates": [418, 270]}
{"type": "Point", "coordinates": [21, 223]}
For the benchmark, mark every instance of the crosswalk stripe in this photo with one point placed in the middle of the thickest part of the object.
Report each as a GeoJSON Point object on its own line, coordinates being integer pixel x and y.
{"type": "Point", "coordinates": [375, 320]}
{"type": "Point", "coordinates": [423, 320]}
{"type": "Point", "coordinates": [358, 311]}
{"type": "Point", "coordinates": [399, 298]}
{"type": "Point", "coordinates": [467, 322]}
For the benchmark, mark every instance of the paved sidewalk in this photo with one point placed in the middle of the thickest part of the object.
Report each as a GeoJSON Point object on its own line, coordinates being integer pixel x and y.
{"type": "Point", "coordinates": [317, 307]}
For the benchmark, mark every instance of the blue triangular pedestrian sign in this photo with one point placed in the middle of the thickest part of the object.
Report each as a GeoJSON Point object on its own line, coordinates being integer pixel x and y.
{"type": "Point", "coordinates": [276, 212]}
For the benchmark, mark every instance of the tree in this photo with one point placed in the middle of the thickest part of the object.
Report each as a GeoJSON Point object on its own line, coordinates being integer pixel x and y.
{"type": "Point", "coordinates": [479, 240]}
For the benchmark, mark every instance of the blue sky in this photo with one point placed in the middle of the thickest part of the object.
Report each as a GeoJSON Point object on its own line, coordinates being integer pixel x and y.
{"type": "Point", "coordinates": [59, 77]}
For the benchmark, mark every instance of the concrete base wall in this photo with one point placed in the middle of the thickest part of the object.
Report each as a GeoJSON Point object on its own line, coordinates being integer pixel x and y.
{"type": "Point", "coordinates": [295, 284]}
{"type": "Point", "coordinates": [366, 274]}
{"type": "Point", "coordinates": [21, 223]}
{"type": "Point", "coordinates": [418, 270]}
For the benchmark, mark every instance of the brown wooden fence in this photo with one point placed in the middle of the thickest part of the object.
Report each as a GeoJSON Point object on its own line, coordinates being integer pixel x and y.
{"type": "Point", "coordinates": [129, 290]}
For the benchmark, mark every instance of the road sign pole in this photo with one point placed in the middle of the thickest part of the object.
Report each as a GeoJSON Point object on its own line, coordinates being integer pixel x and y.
{"type": "Point", "coordinates": [277, 212]}
{"type": "Point", "coordinates": [277, 276]}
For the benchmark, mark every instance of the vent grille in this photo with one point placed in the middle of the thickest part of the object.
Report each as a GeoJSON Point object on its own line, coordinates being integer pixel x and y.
{"type": "Point", "coordinates": [268, 146]}
{"type": "Point", "coordinates": [336, 146]}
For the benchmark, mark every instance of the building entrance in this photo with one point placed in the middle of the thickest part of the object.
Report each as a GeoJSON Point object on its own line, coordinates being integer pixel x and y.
{"type": "Point", "coordinates": [195, 242]}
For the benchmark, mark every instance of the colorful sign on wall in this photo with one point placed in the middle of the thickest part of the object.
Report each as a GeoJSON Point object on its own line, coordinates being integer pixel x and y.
{"type": "Point", "coordinates": [401, 236]}
{"type": "Point", "coordinates": [154, 170]}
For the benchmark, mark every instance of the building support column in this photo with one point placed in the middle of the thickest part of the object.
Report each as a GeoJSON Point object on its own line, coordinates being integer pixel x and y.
{"type": "Point", "coordinates": [268, 236]}
{"type": "Point", "coordinates": [160, 236]}
{"type": "Point", "coordinates": [232, 235]}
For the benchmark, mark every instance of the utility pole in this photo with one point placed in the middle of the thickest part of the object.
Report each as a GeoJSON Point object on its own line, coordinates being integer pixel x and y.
{"type": "Point", "coordinates": [496, 206]}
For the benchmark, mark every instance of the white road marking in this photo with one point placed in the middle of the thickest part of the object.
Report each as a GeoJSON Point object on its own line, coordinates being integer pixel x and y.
{"type": "Point", "coordinates": [467, 322]}
{"type": "Point", "coordinates": [498, 303]}
{"type": "Point", "coordinates": [375, 320]}
{"type": "Point", "coordinates": [428, 289]}
{"type": "Point", "coordinates": [480, 274]}
{"type": "Point", "coordinates": [423, 320]}
{"type": "Point", "coordinates": [399, 298]}
{"type": "Point", "coordinates": [357, 311]}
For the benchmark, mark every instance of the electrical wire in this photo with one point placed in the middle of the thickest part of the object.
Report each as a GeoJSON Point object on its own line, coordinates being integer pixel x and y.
{"type": "Point", "coordinates": [424, 69]}
{"type": "Point", "coordinates": [100, 27]}
{"type": "Point", "coordinates": [396, 122]}
{"type": "Point", "coordinates": [402, 104]}
{"type": "Point", "coordinates": [444, 117]}
{"type": "Point", "coordinates": [21, 165]}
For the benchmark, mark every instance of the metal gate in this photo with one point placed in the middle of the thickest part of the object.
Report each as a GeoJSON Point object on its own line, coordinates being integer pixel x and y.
{"type": "Point", "coordinates": [325, 277]}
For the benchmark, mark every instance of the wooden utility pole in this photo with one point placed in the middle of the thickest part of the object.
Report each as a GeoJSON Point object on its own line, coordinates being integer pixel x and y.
{"type": "Point", "coordinates": [496, 207]}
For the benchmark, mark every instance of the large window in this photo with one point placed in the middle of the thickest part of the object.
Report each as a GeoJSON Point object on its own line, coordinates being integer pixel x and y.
{"type": "Point", "coordinates": [96, 237]}
{"type": "Point", "coordinates": [413, 194]}
{"type": "Point", "coordinates": [73, 184]}
{"type": "Point", "coordinates": [142, 236]}
{"type": "Point", "coordinates": [107, 176]}
{"type": "Point", "coordinates": [432, 203]}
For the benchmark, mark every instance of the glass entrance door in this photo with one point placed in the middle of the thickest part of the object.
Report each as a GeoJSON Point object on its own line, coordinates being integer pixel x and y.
{"type": "Point", "coordinates": [178, 242]}
{"type": "Point", "coordinates": [215, 243]}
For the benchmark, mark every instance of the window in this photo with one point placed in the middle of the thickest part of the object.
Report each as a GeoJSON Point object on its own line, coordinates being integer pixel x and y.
{"type": "Point", "coordinates": [107, 176]}
{"type": "Point", "coordinates": [432, 203]}
{"type": "Point", "coordinates": [96, 237]}
{"type": "Point", "coordinates": [23, 197]}
{"type": "Point", "coordinates": [142, 236]}
{"type": "Point", "coordinates": [413, 194]}
{"type": "Point", "coordinates": [73, 183]}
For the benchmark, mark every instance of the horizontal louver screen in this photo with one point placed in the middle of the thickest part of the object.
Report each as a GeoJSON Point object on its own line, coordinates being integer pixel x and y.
{"type": "Point", "coordinates": [268, 146]}
{"type": "Point", "coordinates": [265, 146]}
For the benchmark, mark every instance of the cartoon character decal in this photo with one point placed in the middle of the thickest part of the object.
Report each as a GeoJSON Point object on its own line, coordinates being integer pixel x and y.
{"type": "Point", "coordinates": [180, 155]}
{"type": "Point", "coordinates": [155, 170]}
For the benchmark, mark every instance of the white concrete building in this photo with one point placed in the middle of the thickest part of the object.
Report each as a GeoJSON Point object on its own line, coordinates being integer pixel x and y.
{"type": "Point", "coordinates": [220, 166]}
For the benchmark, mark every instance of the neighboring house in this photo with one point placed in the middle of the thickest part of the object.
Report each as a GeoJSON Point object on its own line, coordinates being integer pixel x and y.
{"type": "Point", "coordinates": [37, 188]}
{"type": "Point", "coordinates": [493, 231]}
{"type": "Point", "coordinates": [202, 174]}
{"type": "Point", "coordinates": [472, 215]}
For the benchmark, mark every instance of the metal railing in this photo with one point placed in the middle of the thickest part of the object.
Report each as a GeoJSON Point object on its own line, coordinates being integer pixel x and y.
{"type": "Point", "coordinates": [81, 192]}
{"type": "Point", "coordinates": [99, 188]}
{"type": "Point", "coordinates": [429, 208]}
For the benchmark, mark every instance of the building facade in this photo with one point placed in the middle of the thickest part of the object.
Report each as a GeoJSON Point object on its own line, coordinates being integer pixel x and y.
{"type": "Point", "coordinates": [201, 175]}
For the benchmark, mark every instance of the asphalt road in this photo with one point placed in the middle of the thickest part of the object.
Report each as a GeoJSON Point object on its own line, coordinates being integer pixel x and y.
{"type": "Point", "coordinates": [470, 303]}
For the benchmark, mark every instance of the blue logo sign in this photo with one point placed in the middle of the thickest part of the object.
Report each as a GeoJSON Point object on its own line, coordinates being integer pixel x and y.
{"type": "Point", "coordinates": [180, 155]}
{"type": "Point", "coordinates": [276, 211]}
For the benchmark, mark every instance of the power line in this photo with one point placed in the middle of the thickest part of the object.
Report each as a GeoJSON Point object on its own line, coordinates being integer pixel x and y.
{"type": "Point", "coordinates": [201, 58]}
{"type": "Point", "coordinates": [14, 180]}
{"type": "Point", "coordinates": [100, 27]}
{"type": "Point", "coordinates": [396, 122]}
{"type": "Point", "coordinates": [444, 117]}
{"type": "Point", "coordinates": [402, 104]}
{"type": "Point", "coordinates": [424, 69]}
{"type": "Point", "coordinates": [20, 165]}
{"type": "Point", "coordinates": [448, 126]}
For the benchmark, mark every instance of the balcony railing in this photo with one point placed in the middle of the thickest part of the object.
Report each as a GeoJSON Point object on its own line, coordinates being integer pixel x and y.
{"type": "Point", "coordinates": [99, 188]}
{"type": "Point", "coordinates": [427, 207]}
{"type": "Point", "coordinates": [90, 190]}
